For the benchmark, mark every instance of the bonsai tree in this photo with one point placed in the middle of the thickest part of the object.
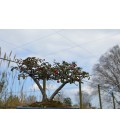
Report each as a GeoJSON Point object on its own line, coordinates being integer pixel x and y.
{"type": "Point", "coordinates": [40, 70]}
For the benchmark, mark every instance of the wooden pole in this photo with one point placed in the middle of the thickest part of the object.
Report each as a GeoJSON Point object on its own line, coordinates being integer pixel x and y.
{"type": "Point", "coordinates": [5, 100]}
{"type": "Point", "coordinates": [99, 97]}
{"type": "Point", "coordinates": [44, 90]}
{"type": "Point", "coordinates": [113, 100]}
{"type": "Point", "coordinates": [80, 94]}
{"type": "Point", "coordinates": [44, 85]}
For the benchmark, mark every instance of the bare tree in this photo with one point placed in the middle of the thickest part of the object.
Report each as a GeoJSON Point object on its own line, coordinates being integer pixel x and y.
{"type": "Point", "coordinates": [107, 71]}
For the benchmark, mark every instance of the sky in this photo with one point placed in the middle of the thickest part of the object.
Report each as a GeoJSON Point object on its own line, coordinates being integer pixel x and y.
{"type": "Point", "coordinates": [84, 46]}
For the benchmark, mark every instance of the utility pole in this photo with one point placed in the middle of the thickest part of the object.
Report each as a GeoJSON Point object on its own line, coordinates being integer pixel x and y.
{"type": "Point", "coordinates": [80, 94]}
{"type": "Point", "coordinates": [113, 100]}
{"type": "Point", "coordinates": [5, 100]}
{"type": "Point", "coordinates": [99, 96]}
{"type": "Point", "coordinates": [44, 89]}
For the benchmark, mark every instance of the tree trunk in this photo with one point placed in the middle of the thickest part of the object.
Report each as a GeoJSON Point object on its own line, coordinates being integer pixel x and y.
{"type": "Point", "coordinates": [57, 90]}
{"type": "Point", "coordinates": [44, 99]}
{"type": "Point", "coordinates": [44, 91]}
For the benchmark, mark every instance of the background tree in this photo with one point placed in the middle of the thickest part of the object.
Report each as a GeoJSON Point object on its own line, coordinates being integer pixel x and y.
{"type": "Point", "coordinates": [107, 71]}
{"type": "Point", "coordinates": [67, 101]}
{"type": "Point", "coordinates": [40, 70]}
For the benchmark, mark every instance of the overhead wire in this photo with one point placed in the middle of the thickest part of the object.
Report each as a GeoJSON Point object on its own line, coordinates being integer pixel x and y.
{"type": "Point", "coordinates": [41, 38]}
{"type": "Point", "coordinates": [26, 44]}
{"type": "Point", "coordinates": [58, 32]}
{"type": "Point", "coordinates": [13, 48]}
{"type": "Point", "coordinates": [78, 45]}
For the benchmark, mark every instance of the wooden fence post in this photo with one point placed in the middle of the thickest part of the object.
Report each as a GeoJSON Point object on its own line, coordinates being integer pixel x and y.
{"type": "Point", "coordinates": [80, 94]}
{"type": "Point", "coordinates": [5, 100]}
{"type": "Point", "coordinates": [113, 100]}
{"type": "Point", "coordinates": [99, 97]}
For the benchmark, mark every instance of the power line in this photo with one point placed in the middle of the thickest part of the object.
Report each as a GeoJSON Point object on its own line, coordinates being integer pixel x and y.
{"type": "Point", "coordinates": [78, 45]}
{"type": "Point", "coordinates": [21, 47]}
{"type": "Point", "coordinates": [25, 44]}
{"type": "Point", "coordinates": [74, 43]}
{"type": "Point", "coordinates": [9, 43]}
{"type": "Point", "coordinates": [31, 42]}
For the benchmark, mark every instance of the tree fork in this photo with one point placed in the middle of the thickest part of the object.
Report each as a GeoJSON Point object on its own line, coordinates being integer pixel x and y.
{"type": "Point", "coordinates": [41, 89]}
{"type": "Point", "coordinates": [57, 90]}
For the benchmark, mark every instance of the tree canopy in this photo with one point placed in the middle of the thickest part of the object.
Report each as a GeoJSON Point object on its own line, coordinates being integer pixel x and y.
{"type": "Point", "coordinates": [107, 71]}
{"type": "Point", "coordinates": [40, 70]}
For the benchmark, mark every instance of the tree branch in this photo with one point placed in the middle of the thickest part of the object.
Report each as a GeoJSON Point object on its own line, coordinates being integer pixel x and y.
{"type": "Point", "coordinates": [38, 84]}
{"type": "Point", "coordinates": [57, 90]}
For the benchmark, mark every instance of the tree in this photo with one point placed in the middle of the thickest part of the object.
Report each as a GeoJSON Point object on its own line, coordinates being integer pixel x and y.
{"type": "Point", "coordinates": [60, 97]}
{"type": "Point", "coordinates": [107, 71]}
{"type": "Point", "coordinates": [67, 101]}
{"type": "Point", "coordinates": [40, 70]}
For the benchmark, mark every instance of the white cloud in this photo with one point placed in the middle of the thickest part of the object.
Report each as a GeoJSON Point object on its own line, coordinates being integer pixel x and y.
{"type": "Point", "coordinates": [50, 45]}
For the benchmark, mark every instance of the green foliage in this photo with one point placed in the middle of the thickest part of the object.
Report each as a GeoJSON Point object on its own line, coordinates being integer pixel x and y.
{"type": "Point", "coordinates": [67, 101]}
{"type": "Point", "coordinates": [40, 69]}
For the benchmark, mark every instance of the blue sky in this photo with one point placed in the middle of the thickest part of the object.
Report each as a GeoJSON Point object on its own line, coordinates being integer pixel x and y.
{"type": "Point", "coordinates": [84, 46]}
